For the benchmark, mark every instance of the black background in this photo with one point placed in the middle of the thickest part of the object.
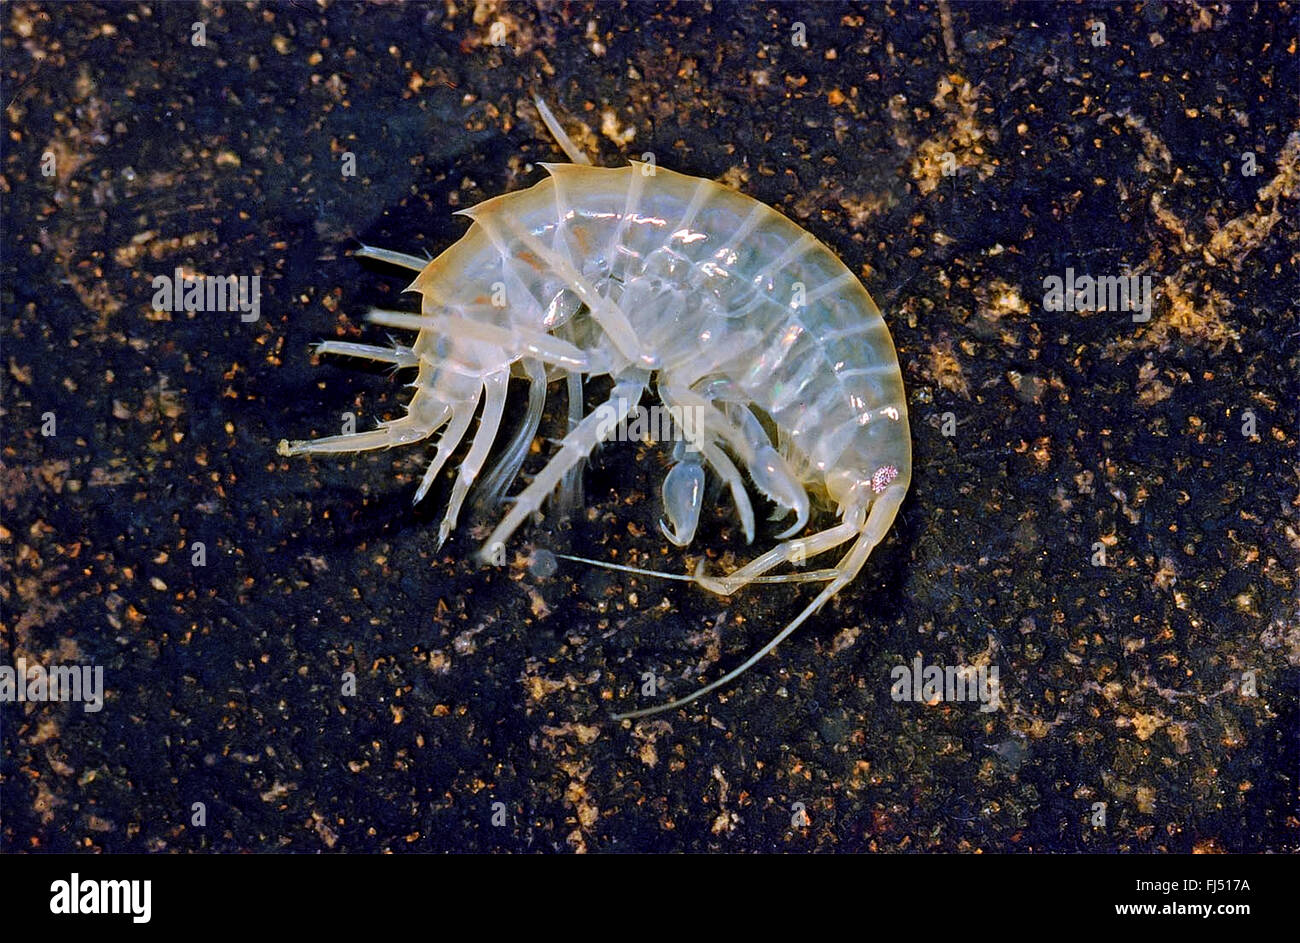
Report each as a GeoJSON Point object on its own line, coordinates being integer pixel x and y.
{"type": "Point", "coordinates": [479, 686]}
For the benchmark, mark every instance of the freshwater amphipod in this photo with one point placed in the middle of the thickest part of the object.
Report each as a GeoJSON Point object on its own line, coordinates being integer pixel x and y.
{"type": "Point", "coordinates": [735, 314]}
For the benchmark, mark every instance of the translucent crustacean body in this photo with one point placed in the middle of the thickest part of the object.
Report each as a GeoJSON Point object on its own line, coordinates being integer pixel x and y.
{"type": "Point", "coordinates": [737, 316]}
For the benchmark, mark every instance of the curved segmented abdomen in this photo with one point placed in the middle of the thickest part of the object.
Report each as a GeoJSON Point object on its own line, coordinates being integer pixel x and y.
{"type": "Point", "coordinates": [713, 283]}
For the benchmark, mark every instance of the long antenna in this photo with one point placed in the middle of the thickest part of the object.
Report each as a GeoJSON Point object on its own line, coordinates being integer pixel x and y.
{"type": "Point", "coordinates": [557, 132]}
{"type": "Point", "coordinates": [806, 577]}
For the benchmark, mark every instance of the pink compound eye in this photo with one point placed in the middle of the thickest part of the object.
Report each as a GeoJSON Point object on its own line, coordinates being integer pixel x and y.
{"type": "Point", "coordinates": [883, 477]}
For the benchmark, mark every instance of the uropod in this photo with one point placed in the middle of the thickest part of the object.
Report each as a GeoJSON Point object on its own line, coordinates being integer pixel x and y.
{"type": "Point", "coordinates": [740, 319]}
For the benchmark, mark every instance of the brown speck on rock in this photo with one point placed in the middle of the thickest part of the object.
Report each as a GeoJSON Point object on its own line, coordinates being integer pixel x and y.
{"type": "Point", "coordinates": [284, 643]}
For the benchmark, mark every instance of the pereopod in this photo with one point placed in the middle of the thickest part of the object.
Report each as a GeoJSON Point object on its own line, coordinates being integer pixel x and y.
{"type": "Point", "coordinates": [737, 317]}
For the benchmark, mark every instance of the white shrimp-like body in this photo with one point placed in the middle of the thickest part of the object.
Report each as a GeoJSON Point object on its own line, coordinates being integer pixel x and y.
{"type": "Point", "coordinates": [740, 319]}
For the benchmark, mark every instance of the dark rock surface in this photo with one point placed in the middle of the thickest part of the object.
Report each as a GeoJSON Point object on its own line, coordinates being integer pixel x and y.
{"type": "Point", "coordinates": [1162, 684]}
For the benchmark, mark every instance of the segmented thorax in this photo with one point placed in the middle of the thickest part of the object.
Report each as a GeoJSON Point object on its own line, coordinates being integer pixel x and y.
{"type": "Point", "coordinates": [723, 293]}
